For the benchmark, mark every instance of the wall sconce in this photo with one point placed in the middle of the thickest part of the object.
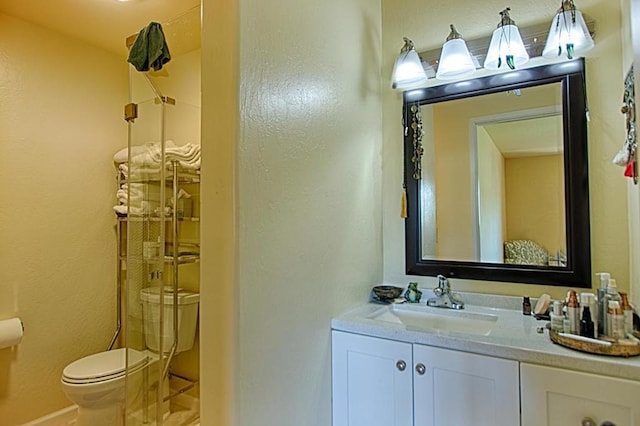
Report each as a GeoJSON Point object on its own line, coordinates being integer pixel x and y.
{"type": "Point", "coordinates": [568, 32]}
{"type": "Point", "coordinates": [408, 71]}
{"type": "Point", "coordinates": [455, 60]}
{"type": "Point", "coordinates": [506, 45]}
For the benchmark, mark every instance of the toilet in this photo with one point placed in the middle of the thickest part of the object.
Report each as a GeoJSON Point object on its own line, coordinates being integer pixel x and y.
{"type": "Point", "coordinates": [96, 383]}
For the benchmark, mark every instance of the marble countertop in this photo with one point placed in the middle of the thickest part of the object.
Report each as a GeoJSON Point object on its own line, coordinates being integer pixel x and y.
{"type": "Point", "coordinates": [514, 336]}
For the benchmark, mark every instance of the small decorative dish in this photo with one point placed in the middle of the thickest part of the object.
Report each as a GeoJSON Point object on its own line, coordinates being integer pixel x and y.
{"type": "Point", "coordinates": [385, 293]}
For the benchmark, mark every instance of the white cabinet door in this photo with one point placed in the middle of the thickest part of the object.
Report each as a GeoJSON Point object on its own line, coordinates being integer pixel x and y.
{"type": "Point", "coordinates": [555, 397]}
{"type": "Point", "coordinates": [372, 381]}
{"type": "Point", "coordinates": [459, 388]}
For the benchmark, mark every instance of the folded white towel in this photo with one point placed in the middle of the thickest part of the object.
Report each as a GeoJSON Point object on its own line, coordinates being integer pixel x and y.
{"type": "Point", "coordinates": [124, 210]}
{"type": "Point", "coordinates": [150, 153]}
{"type": "Point", "coordinates": [122, 155]}
{"type": "Point", "coordinates": [147, 169]}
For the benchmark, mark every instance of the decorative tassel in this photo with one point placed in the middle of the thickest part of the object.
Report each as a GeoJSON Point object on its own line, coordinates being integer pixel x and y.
{"type": "Point", "coordinates": [403, 203]}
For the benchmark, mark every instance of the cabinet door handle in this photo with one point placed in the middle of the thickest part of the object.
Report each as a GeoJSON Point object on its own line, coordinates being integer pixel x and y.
{"type": "Point", "coordinates": [401, 365]}
{"type": "Point", "coordinates": [420, 368]}
{"type": "Point", "coordinates": [588, 421]}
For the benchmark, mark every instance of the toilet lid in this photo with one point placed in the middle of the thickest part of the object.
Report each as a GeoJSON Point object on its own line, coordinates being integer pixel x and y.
{"type": "Point", "coordinates": [103, 366]}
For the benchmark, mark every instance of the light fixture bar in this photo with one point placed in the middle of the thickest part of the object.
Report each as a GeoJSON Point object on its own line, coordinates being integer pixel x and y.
{"type": "Point", "coordinates": [534, 38]}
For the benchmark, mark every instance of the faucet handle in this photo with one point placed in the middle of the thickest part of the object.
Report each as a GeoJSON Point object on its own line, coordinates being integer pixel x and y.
{"type": "Point", "coordinates": [443, 283]}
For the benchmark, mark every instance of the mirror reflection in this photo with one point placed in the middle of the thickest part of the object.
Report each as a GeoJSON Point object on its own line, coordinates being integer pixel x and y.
{"type": "Point", "coordinates": [509, 206]}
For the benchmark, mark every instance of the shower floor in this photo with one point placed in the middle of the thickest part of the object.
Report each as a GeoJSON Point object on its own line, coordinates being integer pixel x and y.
{"type": "Point", "coordinates": [183, 418]}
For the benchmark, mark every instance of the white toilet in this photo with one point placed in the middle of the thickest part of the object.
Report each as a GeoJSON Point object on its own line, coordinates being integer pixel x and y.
{"type": "Point", "coordinates": [96, 383]}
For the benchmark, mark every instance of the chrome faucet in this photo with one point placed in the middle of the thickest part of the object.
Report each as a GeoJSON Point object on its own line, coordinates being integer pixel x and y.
{"type": "Point", "coordinates": [444, 297]}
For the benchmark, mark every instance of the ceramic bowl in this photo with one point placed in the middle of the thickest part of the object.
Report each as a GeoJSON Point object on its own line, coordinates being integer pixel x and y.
{"type": "Point", "coordinates": [387, 292]}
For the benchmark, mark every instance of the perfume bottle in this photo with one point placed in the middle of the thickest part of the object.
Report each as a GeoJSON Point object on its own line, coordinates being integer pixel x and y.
{"type": "Point", "coordinates": [586, 323]}
{"type": "Point", "coordinates": [573, 312]}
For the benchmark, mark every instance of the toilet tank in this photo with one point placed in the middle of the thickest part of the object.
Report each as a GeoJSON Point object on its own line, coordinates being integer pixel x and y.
{"type": "Point", "coordinates": [187, 318]}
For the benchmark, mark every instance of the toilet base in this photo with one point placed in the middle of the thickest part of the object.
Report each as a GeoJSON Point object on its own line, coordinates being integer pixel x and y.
{"type": "Point", "coordinates": [105, 416]}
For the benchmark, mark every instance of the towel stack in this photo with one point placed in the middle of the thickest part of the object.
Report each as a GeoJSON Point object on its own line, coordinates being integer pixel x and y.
{"type": "Point", "coordinates": [146, 159]}
{"type": "Point", "coordinates": [131, 198]}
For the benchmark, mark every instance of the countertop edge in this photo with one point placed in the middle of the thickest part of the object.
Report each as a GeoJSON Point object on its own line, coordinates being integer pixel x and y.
{"type": "Point", "coordinates": [528, 347]}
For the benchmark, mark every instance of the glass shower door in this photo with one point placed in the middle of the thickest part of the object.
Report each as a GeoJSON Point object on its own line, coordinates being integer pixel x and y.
{"type": "Point", "coordinates": [162, 257]}
{"type": "Point", "coordinates": [145, 254]}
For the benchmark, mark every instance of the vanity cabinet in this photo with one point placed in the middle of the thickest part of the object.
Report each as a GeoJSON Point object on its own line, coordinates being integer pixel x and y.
{"type": "Point", "coordinates": [555, 397]}
{"type": "Point", "coordinates": [372, 381]}
{"type": "Point", "coordinates": [458, 388]}
{"type": "Point", "coordinates": [380, 382]}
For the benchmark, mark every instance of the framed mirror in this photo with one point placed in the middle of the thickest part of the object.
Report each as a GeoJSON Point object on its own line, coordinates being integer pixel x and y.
{"type": "Point", "coordinates": [496, 175]}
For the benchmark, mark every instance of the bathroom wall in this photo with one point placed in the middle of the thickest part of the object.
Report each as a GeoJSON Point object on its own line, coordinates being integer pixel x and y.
{"type": "Point", "coordinates": [540, 207]}
{"type": "Point", "coordinates": [308, 200]}
{"type": "Point", "coordinates": [218, 253]}
{"type": "Point", "coordinates": [491, 198]}
{"type": "Point", "coordinates": [60, 123]}
{"type": "Point", "coordinates": [631, 55]}
{"type": "Point", "coordinates": [428, 29]}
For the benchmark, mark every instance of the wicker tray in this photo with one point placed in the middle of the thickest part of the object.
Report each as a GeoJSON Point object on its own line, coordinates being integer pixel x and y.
{"type": "Point", "coordinates": [595, 348]}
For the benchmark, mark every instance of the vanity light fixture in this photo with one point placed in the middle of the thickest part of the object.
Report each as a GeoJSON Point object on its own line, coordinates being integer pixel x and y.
{"type": "Point", "coordinates": [408, 71]}
{"type": "Point", "coordinates": [455, 60]}
{"type": "Point", "coordinates": [568, 33]}
{"type": "Point", "coordinates": [506, 47]}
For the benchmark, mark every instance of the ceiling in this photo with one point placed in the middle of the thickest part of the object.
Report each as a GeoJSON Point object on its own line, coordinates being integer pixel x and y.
{"type": "Point", "coordinates": [107, 23]}
{"type": "Point", "coordinates": [534, 136]}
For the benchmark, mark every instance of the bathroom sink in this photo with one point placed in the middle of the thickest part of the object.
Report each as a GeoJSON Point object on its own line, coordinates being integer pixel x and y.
{"type": "Point", "coordinates": [426, 318]}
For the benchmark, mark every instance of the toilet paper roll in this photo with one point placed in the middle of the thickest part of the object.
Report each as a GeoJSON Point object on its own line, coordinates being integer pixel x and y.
{"type": "Point", "coordinates": [11, 332]}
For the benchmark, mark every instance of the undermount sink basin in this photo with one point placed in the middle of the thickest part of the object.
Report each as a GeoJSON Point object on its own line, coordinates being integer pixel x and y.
{"type": "Point", "coordinates": [426, 318]}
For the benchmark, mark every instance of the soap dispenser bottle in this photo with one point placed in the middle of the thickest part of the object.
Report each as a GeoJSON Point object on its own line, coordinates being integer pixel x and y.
{"type": "Point", "coordinates": [611, 296]}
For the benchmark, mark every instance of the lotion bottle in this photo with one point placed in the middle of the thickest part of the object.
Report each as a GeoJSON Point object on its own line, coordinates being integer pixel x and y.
{"type": "Point", "coordinates": [627, 312]}
{"type": "Point", "coordinates": [616, 320]}
{"type": "Point", "coordinates": [612, 296]}
{"type": "Point", "coordinates": [557, 319]}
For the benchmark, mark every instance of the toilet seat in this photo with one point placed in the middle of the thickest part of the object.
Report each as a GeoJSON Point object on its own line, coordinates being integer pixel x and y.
{"type": "Point", "coordinates": [103, 366]}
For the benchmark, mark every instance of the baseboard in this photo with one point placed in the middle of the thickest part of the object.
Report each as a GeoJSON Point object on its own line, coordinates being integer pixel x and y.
{"type": "Point", "coordinates": [65, 417]}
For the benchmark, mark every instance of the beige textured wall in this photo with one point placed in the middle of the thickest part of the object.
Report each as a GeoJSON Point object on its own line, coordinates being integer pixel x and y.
{"type": "Point", "coordinates": [631, 55]}
{"type": "Point", "coordinates": [536, 212]}
{"type": "Point", "coordinates": [309, 216]}
{"type": "Point", "coordinates": [218, 268]}
{"type": "Point", "coordinates": [60, 123]}
{"type": "Point", "coordinates": [428, 29]}
{"type": "Point", "coordinates": [491, 198]}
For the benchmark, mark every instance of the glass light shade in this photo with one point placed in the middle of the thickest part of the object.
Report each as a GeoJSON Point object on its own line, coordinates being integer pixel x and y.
{"type": "Point", "coordinates": [408, 71]}
{"type": "Point", "coordinates": [565, 32]}
{"type": "Point", "coordinates": [506, 49]}
{"type": "Point", "coordinates": [455, 61]}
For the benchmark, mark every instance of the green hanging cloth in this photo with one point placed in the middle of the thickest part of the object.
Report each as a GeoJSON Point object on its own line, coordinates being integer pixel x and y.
{"type": "Point", "coordinates": [150, 49]}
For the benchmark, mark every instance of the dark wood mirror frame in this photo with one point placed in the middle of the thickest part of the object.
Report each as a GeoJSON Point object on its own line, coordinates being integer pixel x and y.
{"type": "Point", "coordinates": [577, 273]}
